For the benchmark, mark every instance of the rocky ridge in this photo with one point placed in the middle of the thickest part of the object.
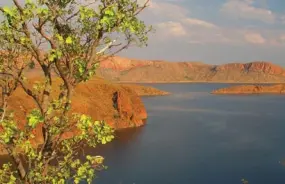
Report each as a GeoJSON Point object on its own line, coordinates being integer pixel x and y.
{"type": "Point", "coordinates": [133, 70]}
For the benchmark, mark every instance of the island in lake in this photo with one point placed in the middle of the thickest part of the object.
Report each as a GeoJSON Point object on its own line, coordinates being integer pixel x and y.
{"type": "Point", "coordinates": [252, 89]}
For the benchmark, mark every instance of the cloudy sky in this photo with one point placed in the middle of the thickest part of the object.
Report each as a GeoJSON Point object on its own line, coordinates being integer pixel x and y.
{"type": "Point", "coordinates": [215, 31]}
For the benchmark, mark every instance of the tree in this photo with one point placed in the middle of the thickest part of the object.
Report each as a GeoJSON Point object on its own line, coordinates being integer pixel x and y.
{"type": "Point", "coordinates": [64, 39]}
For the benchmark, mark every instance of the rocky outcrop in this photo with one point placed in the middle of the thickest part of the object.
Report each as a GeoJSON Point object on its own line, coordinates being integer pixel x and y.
{"type": "Point", "coordinates": [119, 105]}
{"type": "Point", "coordinates": [258, 66]}
{"type": "Point", "coordinates": [127, 114]}
{"type": "Point", "coordinates": [252, 89]}
{"type": "Point", "coordinates": [132, 70]}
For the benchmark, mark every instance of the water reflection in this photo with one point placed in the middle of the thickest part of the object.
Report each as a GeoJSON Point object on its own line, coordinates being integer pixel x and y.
{"type": "Point", "coordinates": [123, 140]}
{"type": "Point", "coordinates": [198, 110]}
{"type": "Point", "coordinates": [125, 136]}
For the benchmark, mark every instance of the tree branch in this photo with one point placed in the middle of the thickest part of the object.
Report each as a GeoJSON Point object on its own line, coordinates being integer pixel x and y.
{"type": "Point", "coordinates": [106, 47]}
{"type": "Point", "coordinates": [142, 8]}
{"type": "Point", "coordinates": [26, 89]}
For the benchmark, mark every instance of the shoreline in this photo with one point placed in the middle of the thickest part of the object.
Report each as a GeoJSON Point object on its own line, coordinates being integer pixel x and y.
{"type": "Point", "coordinates": [248, 93]}
{"type": "Point", "coordinates": [198, 82]}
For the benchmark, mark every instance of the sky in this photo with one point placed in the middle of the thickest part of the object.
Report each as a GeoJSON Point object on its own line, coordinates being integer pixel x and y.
{"type": "Point", "coordinates": [214, 31]}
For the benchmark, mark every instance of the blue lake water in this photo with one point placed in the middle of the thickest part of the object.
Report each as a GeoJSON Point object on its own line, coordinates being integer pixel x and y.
{"type": "Point", "coordinates": [193, 137]}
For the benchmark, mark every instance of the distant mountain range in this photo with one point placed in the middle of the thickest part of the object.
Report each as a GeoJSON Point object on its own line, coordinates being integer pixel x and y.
{"type": "Point", "coordinates": [132, 70]}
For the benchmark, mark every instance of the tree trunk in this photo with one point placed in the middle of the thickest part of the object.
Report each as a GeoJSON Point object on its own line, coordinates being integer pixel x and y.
{"type": "Point", "coordinates": [19, 164]}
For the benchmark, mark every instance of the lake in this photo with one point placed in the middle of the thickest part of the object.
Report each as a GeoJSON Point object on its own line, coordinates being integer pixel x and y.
{"type": "Point", "coordinates": [193, 137]}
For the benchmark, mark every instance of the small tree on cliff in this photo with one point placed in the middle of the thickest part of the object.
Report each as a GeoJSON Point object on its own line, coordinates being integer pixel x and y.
{"type": "Point", "coordinates": [66, 39]}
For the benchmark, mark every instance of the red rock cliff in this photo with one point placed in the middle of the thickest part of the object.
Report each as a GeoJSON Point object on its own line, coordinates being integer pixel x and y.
{"type": "Point", "coordinates": [119, 106]}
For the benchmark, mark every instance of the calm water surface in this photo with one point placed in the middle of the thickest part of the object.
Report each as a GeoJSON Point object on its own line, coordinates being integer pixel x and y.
{"type": "Point", "coordinates": [193, 137]}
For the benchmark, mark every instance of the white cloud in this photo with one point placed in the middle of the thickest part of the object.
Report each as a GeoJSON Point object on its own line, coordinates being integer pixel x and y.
{"type": "Point", "coordinates": [175, 22]}
{"type": "Point", "coordinates": [172, 29]}
{"type": "Point", "coordinates": [254, 38]}
{"type": "Point", "coordinates": [246, 10]}
{"type": "Point", "coordinates": [168, 9]}
{"type": "Point", "coordinates": [198, 22]}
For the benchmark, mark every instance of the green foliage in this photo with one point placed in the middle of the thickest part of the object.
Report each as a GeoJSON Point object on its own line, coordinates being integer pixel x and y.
{"type": "Point", "coordinates": [34, 118]}
{"type": "Point", "coordinates": [67, 38]}
{"type": "Point", "coordinates": [7, 175]}
{"type": "Point", "coordinates": [9, 131]}
{"type": "Point", "coordinates": [54, 54]}
{"type": "Point", "coordinates": [89, 128]}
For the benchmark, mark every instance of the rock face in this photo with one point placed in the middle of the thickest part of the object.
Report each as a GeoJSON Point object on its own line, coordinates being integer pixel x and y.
{"type": "Point", "coordinates": [118, 104]}
{"type": "Point", "coordinates": [252, 89]}
{"type": "Point", "coordinates": [131, 70]}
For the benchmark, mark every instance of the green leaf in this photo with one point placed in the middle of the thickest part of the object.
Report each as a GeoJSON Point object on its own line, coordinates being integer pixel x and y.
{"type": "Point", "coordinates": [59, 37]}
{"type": "Point", "coordinates": [109, 12]}
{"type": "Point", "coordinates": [104, 141]}
{"type": "Point", "coordinates": [68, 40]}
{"type": "Point", "coordinates": [51, 57]}
{"type": "Point", "coordinates": [8, 11]}
{"type": "Point", "coordinates": [34, 118]}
